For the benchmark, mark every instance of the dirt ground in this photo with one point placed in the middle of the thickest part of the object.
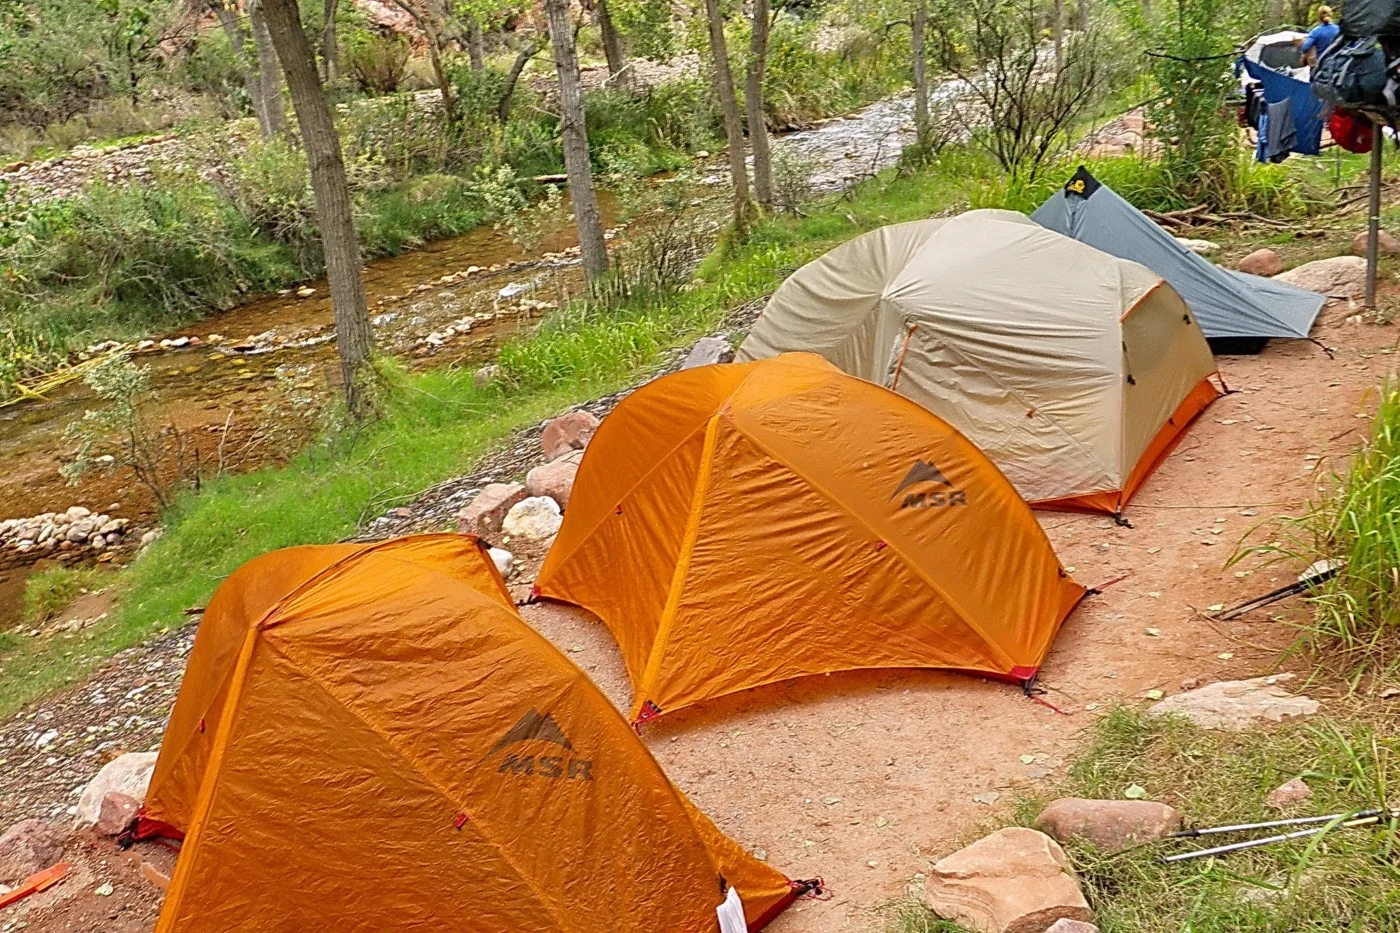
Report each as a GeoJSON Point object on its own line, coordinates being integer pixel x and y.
{"type": "Point", "coordinates": [866, 779]}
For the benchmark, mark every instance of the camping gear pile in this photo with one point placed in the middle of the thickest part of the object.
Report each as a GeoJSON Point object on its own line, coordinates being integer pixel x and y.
{"type": "Point", "coordinates": [1358, 76]}
{"type": "Point", "coordinates": [370, 736]}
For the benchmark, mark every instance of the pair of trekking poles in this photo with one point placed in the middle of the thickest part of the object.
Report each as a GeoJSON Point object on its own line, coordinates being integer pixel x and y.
{"type": "Point", "coordinates": [1328, 823]}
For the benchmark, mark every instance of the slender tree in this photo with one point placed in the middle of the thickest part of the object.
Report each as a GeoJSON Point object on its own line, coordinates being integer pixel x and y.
{"type": "Point", "coordinates": [920, 53]}
{"type": "Point", "coordinates": [272, 116]}
{"type": "Point", "coordinates": [528, 50]}
{"type": "Point", "coordinates": [333, 210]}
{"type": "Point", "coordinates": [618, 72]}
{"type": "Point", "coordinates": [1059, 27]}
{"type": "Point", "coordinates": [729, 106]}
{"type": "Point", "coordinates": [238, 42]}
{"type": "Point", "coordinates": [424, 19]}
{"type": "Point", "coordinates": [573, 130]}
{"type": "Point", "coordinates": [476, 46]}
{"type": "Point", "coordinates": [753, 100]}
{"type": "Point", "coordinates": [330, 52]}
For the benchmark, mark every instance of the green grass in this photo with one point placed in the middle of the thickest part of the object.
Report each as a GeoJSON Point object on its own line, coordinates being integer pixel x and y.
{"type": "Point", "coordinates": [1355, 518]}
{"type": "Point", "coordinates": [1347, 881]}
{"type": "Point", "coordinates": [48, 593]}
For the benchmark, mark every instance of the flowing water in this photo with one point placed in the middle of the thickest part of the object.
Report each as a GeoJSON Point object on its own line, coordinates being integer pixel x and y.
{"type": "Point", "coordinates": [239, 390]}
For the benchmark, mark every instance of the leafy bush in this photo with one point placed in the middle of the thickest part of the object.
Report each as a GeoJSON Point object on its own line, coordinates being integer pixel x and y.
{"type": "Point", "coordinates": [378, 62]}
{"type": "Point", "coordinates": [1356, 520]}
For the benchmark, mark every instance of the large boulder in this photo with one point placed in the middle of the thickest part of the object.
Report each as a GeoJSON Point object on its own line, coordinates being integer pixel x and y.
{"type": "Point", "coordinates": [1339, 277]}
{"type": "Point", "coordinates": [1109, 824]}
{"type": "Point", "coordinates": [534, 519]}
{"type": "Point", "coordinates": [484, 514]}
{"type": "Point", "coordinates": [707, 351]}
{"type": "Point", "coordinates": [27, 847]}
{"type": "Point", "coordinates": [1232, 705]}
{"type": "Point", "coordinates": [555, 479]}
{"type": "Point", "coordinates": [1014, 881]}
{"type": "Point", "coordinates": [568, 432]}
{"type": "Point", "coordinates": [1386, 245]}
{"type": "Point", "coordinates": [1263, 262]}
{"type": "Point", "coordinates": [129, 775]}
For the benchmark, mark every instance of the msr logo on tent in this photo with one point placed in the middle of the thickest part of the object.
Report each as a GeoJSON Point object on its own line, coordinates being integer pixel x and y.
{"type": "Point", "coordinates": [926, 474]}
{"type": "Point", "coordinates": [537, 727]}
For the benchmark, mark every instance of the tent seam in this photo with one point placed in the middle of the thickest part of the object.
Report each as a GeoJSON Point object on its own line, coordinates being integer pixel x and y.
{"type": "Point", "coordinates": [682, 571]}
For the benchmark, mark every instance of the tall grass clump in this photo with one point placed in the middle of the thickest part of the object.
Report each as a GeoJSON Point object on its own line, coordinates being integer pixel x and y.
{"type": "Point", "coordinates": [1354, 520]}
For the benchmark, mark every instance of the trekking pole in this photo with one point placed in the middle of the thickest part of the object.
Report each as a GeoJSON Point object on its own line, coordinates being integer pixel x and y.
{"type": "Point", "coordinates": [1373, 816]}
{"type": "Point", "coordinates": [1271, 824]}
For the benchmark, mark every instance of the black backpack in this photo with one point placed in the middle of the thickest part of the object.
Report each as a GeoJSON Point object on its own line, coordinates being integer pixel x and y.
{"type": "Point", "coordinates": [1352, 73]}
{"type": "Point", "coordinates": [1363, 18]}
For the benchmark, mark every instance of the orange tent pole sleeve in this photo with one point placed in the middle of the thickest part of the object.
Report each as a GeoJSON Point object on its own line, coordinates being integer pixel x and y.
{"type": "Point", "coordinates": [39, 881]}
{"type": "Point", "coordinates": [673, 598]}
{"type": "Point", "coordinates": [180, 879]}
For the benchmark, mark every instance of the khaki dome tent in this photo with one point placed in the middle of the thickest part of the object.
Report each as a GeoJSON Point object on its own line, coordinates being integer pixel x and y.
{"type": "Point", "coordinates": [369, 738]}
{"type": "Point", "coordinates": [1075, 371]}
{"type": "Point", "coordinates": [744, 524]}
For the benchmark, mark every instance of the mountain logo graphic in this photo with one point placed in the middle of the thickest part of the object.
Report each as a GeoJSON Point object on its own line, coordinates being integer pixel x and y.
{"type": "Point", "coordinates": [921, 472]}
{"type": "Point", "coordinates": [533, 726]}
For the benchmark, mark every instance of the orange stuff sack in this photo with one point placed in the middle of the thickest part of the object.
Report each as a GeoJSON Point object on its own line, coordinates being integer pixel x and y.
{"type": "Point", "coordinates": [370, 738]}
{"type": "Point", "coordinates": [749, 523]}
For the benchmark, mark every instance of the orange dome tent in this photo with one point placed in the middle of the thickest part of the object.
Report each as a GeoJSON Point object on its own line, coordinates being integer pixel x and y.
{"type": "Point", "coordinates": [743, 524]}
{"type": "Point", "coordinates": [369, 738]}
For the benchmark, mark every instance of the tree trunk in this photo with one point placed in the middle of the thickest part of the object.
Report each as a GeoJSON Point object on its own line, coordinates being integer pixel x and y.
{"type": "Point", "coordinates": [573, 130]}
{"type": "Point", "coordinates": [920, 24]}
{"type": "Point", "coordinates": [1059, 27]}
{"type": "Point", "coordinates": [527, 51]}
{"type": "Point", "coordinates": [330, 54]}
{"type": "Point", "coordinates": [1083, 15]}
{"type": "Point", "coordinates": [476, 48]}
{"type": "Point", "coordinates": [425, 22]}
{"type": "Point", "coordinates": [729, 105]}
{"type": "Point", "coordinates": [272, 116]}
{"type": "Point", "coordinates": [618, 73]}
{"type": "Point", "coordinates": [333, 212]}
{"type": "Point", "coordinates": [753, 101]}
{"type": "Point", "coordinates": [238, 43]}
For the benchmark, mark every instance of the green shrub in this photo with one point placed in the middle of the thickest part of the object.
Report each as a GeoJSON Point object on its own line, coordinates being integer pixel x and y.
{"type": "Point", "coordinates": [376, 61]}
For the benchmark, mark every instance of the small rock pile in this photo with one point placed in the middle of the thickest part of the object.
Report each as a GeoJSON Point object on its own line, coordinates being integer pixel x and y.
{"type": "Point", "coordinates": [69, 174]}
{"type": "Point", "coordinates": [76, 532]}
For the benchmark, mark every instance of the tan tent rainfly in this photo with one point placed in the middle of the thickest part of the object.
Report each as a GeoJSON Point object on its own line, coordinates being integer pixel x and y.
{"type": "Point", "coordinates": [1075, 371]}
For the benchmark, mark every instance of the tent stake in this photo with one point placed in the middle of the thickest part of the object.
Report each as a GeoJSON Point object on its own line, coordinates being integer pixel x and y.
{"type": "Point", "coordinates": [1373, 220]}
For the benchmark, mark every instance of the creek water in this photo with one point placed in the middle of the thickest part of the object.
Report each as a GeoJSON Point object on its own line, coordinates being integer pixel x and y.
{"type": "Point", "coordinates": [242, 402]}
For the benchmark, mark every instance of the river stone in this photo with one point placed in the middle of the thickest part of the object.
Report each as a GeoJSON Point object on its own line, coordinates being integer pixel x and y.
{"type": "Point", "coordinates": [1288, 793]}
{"type": "Point", "coordinates": [568, 432]}
{"type": "Point", "coordinates": [129, 775]}
{"type": "Point", "coordinates": [535, 519]}
{"type": "Point", "coordinates": [486, 375]}
{"type": "Point", "coordinates": [1016, 880]}
{"type": "Point", "coordinates": [1263, 262]}
{"type": "Point", "coordinates": [1386, 245]}
{"type": "Point", "coordinates": [503, 559]}
{"type": "Point", "coordinates": [484, 514]}
{"type": "Point", "coordinates": [1109, 824]}
{"type": "Point", "coordinates": [1338, 277]}
{"type": "Point", "coordinates": [27, 847]}
{"type": "Point", "coordinates": [708, 351]}
{"type": "Point", "coordinates": [555, 479]}
{"type": "Point", "coordinates": [1233, 705]}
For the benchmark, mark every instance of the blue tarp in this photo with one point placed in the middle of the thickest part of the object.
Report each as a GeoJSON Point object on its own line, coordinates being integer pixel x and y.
{"type": "Point", "coordinates": [1306, 108]}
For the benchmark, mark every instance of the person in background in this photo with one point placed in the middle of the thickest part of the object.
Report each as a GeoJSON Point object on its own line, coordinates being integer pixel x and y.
{"type": "Point", "coordinates": [1321, 37]}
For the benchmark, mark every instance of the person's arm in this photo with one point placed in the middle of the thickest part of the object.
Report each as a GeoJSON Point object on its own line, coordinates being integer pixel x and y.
{"type": "Point", "coordinates": [1310, 42]}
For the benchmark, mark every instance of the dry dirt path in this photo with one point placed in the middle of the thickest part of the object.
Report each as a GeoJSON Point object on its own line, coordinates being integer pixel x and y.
{"type": "Point", "coordinates": [862, 779]}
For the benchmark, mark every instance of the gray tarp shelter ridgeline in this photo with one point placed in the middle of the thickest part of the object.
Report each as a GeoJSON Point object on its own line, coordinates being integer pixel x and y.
{"type": "Point", "coordinates": [1227, 303]}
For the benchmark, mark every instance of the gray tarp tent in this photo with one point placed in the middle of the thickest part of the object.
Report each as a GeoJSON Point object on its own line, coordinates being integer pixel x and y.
{"type": "Point", "coordinates": [1228, 304]}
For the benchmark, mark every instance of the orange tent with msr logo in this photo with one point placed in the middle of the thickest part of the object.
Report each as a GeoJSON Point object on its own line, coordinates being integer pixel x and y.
{"type": "Point", "coordinates": [749, 523]}
{"type": "Point", "coordinates": [370, 738]}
